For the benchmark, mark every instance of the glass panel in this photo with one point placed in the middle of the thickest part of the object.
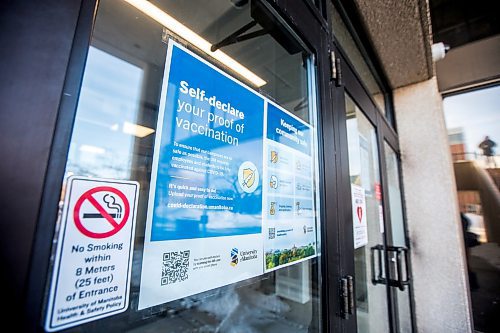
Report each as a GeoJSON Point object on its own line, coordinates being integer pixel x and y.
{"type": "Point", "coordinates": [114, 137]}
{"type": "Point", "coordinates": [344, 38]}
{"type": "Point", "coordinates": [474, 136]}
{"type": "Point", "coordinates": [473, 123]}
{"type": "Point", "coordinates": [371, 300]}
{"type": "Point", "coordinates": [398, 231]}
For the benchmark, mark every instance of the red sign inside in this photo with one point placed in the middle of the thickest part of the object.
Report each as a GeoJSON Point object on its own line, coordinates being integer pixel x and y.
{"type": "Point", "coordinates": [378, 191]}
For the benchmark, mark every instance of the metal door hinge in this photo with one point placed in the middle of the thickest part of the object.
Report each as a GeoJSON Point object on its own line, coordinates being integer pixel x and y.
{"type": "Point", "coordinates": [346, 296]}
{"type": "Point", "coordinates": [336, 74]}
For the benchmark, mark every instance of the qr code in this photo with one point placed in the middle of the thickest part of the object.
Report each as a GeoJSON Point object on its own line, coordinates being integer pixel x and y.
{"type": "Point", "coordinates": [175, 267]}
{"type": "Point", "coordinates": [272, 233]}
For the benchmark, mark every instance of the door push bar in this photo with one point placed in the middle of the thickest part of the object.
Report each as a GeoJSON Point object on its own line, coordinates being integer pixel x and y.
{"type": "Point", "coordinates": [396, 253]}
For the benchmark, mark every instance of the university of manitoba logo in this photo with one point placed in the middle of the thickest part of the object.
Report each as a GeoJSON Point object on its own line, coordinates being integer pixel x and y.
{"type": "Point", "coordinates": [234, 257]}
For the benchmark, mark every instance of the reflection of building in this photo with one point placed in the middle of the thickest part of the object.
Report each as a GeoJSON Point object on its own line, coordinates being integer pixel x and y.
{"type": "Point", "coordinates": [469, 202]}
{"type": "Point", "coordinates": [457, 144]}
{"type": "Point", "coordinates": [478, 194]}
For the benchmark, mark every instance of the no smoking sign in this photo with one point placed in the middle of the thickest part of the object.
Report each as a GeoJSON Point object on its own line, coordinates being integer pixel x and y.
{"type": "Point", "coordinates": [93, 262]}
{"type": "Point", "coordinates": [101, 212]}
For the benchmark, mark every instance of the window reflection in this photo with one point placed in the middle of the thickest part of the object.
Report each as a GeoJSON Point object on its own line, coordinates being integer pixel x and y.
{"type": "Point", "coordinates": [102, 143]}
{"type": "Point", "coordinates": [470, 117]}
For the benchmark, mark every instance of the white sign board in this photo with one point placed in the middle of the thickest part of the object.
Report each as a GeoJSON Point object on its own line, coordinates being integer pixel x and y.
{"type": "Point", "coordinates": [359, 225]}
{"type": "Point", "coordinates": [93, 260]}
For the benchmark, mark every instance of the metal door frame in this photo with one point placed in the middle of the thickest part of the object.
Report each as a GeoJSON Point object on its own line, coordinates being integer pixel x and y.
{"type": "Point", "coordinates": [310, 25]}
{"type": "Point", "coordinates": [352, 83]}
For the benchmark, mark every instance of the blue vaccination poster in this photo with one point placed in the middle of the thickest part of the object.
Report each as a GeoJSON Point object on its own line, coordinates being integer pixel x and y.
{"type": "Point", "coordinates": [211, 128]}
{"type": "Point", "coordinates": [289, 224]}
{"type": "Point", "coordinates": [204, 220]}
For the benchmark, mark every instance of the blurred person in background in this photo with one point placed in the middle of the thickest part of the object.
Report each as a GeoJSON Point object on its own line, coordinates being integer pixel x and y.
{"type": "Point", "coordinates": [487, 146]}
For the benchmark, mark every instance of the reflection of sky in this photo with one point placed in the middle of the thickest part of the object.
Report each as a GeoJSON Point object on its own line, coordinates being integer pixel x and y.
{"type": "Point", "coordinates": [478, 113]}
{"type": "Point", "coordinates": [110, 95]}
{"type": "Point", "coordinates": [354, 151]}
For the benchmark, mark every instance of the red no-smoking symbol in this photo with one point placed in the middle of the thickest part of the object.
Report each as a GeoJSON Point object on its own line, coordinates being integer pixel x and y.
{"type": "Point", "coordinates": [109, 211]}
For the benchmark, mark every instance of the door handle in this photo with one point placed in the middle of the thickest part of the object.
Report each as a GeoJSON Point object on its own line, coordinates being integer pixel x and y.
{"type": "Point", "coordinates": [399, 252]}
{"type": "Point", "coordinates": [401, 262]}
{"type": "Point", "coordinates": [377, 264]}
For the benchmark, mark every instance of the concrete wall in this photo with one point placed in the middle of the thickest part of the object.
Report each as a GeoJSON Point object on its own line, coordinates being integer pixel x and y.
{"type": "Point", "coordinates": [400, 33]}
{"type": "Point", "coordinates": [470, 65]}
{"type": "Point", "coordinates": [442, 302]}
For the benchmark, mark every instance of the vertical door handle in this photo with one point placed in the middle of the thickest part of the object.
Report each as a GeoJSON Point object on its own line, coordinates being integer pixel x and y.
{"type": "Point", "coordinates": [376, 264]}
{"type": "Point", "coordinates": [399, 257]}
{"type": "Point", "coordinates": [399, 252]}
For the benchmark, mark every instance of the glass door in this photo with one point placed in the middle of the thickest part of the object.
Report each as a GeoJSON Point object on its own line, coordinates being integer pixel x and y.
{"type": "Point", "coordinates": [381, 299]}
{"type": "Point", "coordinates": [398, 250]}
{"type": "Point", "coordinates": [218, 138]}
{"type": "Point", "coordinates": [368, 228]}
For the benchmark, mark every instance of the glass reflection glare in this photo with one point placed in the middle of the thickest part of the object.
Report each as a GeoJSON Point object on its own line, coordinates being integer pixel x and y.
{"type": "Point", "coordinates": [110, 96]}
